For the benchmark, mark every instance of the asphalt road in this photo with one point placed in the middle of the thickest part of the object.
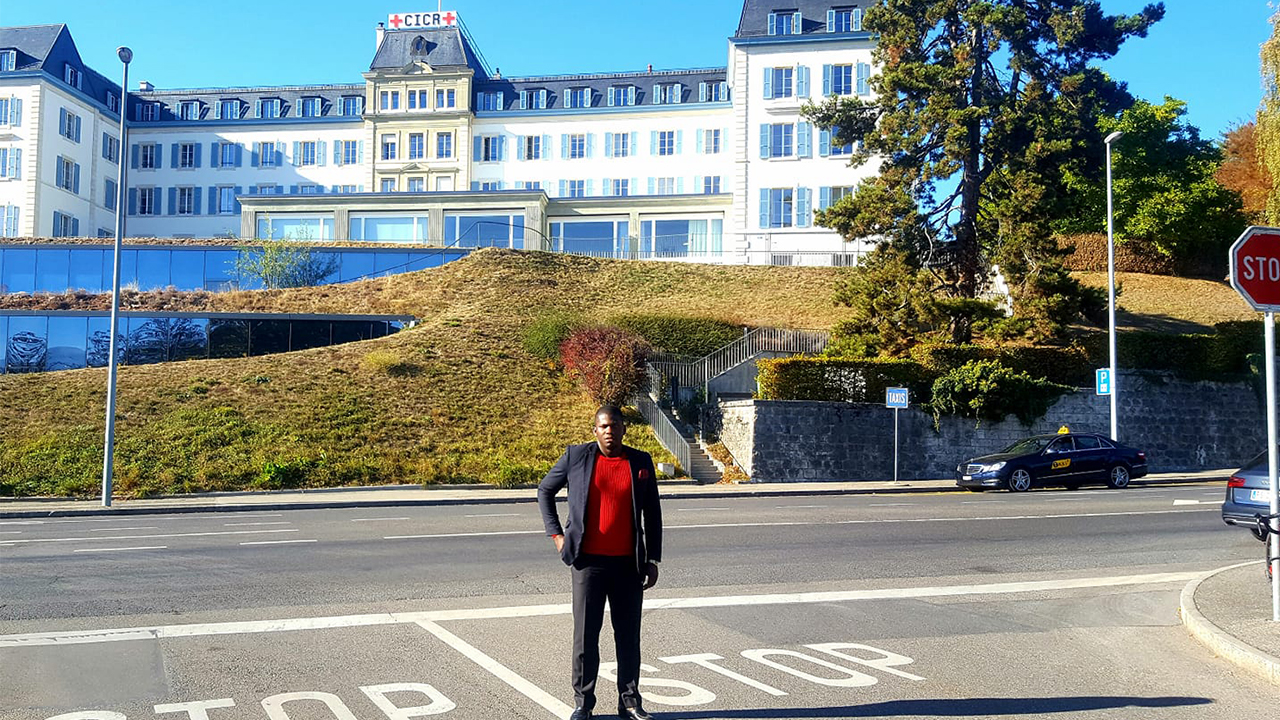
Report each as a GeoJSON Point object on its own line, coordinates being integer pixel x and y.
{"type": "Point", "coordinates": [1051, 603]}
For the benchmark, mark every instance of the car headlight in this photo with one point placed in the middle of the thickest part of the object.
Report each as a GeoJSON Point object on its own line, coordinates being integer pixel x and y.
{"type": "Point", "coordinates": [993, 467]}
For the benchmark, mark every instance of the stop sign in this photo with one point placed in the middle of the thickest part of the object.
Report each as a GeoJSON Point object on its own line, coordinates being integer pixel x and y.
{"type": "Point", "coordinates": [1255, 267]}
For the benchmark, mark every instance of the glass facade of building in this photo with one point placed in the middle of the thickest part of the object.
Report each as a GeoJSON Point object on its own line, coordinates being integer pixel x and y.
{"type": "Point", "coordinates": [46, 341]}
{"type": "Point", "coordinates": [56, 269]}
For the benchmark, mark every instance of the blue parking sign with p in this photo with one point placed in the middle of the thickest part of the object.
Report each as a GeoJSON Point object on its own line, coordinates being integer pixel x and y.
{"type": "Point", "coordinates": [896, 398]}
{"type": "Point", "coordinates": [1104, 381]}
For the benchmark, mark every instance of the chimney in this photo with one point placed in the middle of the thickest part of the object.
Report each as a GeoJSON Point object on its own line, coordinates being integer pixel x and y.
{"type": "Point", "coordinates": [498, 72]}
{"type": "Point", "coordinates": [379, 33]}
{"type": "Point", "coordinates": [144, 86]}
{"type": "Point", "coordinates": [650, 68]}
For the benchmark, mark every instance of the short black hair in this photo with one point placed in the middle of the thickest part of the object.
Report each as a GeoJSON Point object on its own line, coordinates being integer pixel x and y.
{"type": "Point", "coordinates": [613, 411]}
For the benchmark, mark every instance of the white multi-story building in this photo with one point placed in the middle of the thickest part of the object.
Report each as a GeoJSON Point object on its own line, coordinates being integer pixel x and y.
{"type": "Point", "coordinates": [712, 164]}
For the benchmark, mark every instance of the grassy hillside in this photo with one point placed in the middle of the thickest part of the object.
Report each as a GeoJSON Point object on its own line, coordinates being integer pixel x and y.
{"type": "Point", "coordinates": [1172, 304]}
{"type": "Point", "coordinates": [456, 399]}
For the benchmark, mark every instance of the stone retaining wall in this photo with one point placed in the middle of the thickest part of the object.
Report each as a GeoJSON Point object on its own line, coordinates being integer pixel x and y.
{"type": "Point", "coordinates": [1180, 425]}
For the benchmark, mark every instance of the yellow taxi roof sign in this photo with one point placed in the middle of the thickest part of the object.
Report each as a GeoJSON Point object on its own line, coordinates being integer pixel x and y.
{"type": "Point", "coordinates": [1064, 430]}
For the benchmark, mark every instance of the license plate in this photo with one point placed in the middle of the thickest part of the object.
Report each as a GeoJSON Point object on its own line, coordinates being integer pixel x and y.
{"type": "Point", "coordinates": [1259, 496]}
{"type": "Point", "coordinates": [966, 477]}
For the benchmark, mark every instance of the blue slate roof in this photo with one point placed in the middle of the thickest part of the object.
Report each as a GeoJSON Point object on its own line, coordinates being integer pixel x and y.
{"type": "Point", "coordinates": [644, 82]}
{"type": "Point", "coordinates": [289, 97]}
{"type": "Point", "coordinates": [439, 48]}
{"type": "Point", "coordinates": [49, 49]}
{"type": "Point", "coordinates": [755, 14]}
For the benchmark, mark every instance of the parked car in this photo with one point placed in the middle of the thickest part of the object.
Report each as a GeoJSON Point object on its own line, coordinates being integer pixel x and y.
{"type": "Point", "coordinates": [1248, 493]}
{"type": "Point", "coordinates": [1067, 459]}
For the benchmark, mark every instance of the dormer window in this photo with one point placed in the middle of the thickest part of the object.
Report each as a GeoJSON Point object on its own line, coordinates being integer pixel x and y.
{"type": "Point", "coordinates": [533, 99]}
{"type": "Point", "coordinates": [8, 60]}
{"type": "Point", "coordinates": [841, 20]}
{"type": "Point", "coordinates": [229, 109]}
{"type": "Point", "coordinates": [489, 101]}
{"type": "Point", "coordinates": [671, 94]}
{"type": "Point", "coordinates": [309, 107]}
{"type": "Point", "coordinates": [189, 110]}
{"type": "Point", "coordinates": [113, 102]}
{"type": "Point", "coordinates": [785, 22]}
{"type": "Point", "coordinates": [269, 108]}
{"type": "Point", "coordinates": [713, 92]}
{"type": "Point", "coordinates": [577, 97]}
{"type": "Point", "coordinates": [148, 111]}
{"type": "Point", "coordinates": [419, 46]}
{"type": "Point", "coordinates": [622, 95]}
{"type": "Point", "coordinates": [72, 76]}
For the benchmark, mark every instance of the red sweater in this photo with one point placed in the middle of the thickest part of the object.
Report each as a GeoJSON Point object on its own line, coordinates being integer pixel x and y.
{"type": "Point", "coordinates": [608, 529]}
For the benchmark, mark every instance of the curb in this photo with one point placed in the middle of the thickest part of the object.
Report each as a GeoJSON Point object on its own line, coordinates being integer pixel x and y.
{"type": "Point", "coordinates": [1219, 641]}
{"type": "Point", "coordinates": [678, 492]}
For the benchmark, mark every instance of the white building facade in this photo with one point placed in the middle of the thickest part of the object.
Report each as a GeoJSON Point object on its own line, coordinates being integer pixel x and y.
{"type": "Point", "coordinates": [434, 148]}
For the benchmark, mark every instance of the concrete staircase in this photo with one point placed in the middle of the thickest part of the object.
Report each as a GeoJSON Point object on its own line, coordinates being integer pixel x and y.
{"type": "Point", "coordinates": [703, 468]}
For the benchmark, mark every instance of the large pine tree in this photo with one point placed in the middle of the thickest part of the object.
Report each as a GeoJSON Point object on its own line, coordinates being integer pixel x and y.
{"type": "Point", "coordinates": [978, 107]}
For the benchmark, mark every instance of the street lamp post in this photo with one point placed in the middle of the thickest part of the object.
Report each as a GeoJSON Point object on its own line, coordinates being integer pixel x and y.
{"type": "Point", "coordinates": [126, 56]}
{"type": "Point", "coordinates": [1111, 290]}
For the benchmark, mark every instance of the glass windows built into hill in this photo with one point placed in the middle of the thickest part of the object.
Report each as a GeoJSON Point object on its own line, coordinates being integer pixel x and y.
{"type": "Point", "coordinates": [41, 342]}
{"type": "Point", "coordinates": [57, 269]}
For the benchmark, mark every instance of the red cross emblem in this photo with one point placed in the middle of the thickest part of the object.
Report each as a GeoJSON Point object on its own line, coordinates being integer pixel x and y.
{"type": "Point", "coordinates": [449, 17]}
{"type": "Point", "coordinates": [396, 22]}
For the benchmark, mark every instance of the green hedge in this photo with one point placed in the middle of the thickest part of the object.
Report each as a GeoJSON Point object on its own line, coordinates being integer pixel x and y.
{"type": "Point", "coordinates": [1066, 365]}
{"type": "Point", "coordinates": [987, 390]}
{"type": "Point", "coordinates": [862, 381]}
{"type": "Point", "coordinates": [678, 334]}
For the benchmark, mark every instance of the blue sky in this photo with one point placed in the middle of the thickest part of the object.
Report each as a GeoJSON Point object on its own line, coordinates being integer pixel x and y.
{"type": "Point", "coordinates": [1204, 52]}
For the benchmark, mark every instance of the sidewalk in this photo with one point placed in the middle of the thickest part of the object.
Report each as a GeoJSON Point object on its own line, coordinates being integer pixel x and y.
{"type": "Point", "coordinates": [1229, 610]}
{"type": "Point", "coordinates": [415, 495]}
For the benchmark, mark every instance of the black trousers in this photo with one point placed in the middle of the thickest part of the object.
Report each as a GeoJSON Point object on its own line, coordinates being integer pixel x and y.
{"type": "Point", "coordinates": [597, 578]}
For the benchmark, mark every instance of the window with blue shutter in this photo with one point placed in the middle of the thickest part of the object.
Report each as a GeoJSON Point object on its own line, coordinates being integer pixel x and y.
{"type": "Point", "coordinates": [804, 210]}
{"type": "Point", "coordinates": [764, 208]}
{"type": "Point", "coordinates": [766, 135]}
{"type": "Point", "coordinates": [824, 143]}
{"type": "Point", "coordinates": [797, 24]}
{"type": "Point", "coordinates": [824, 198]}
{"type": "Point", "coordinates": [173, 201]}
{"type": "Point", "coordinates": [608, 144]}
{"type": "Point", "coordinates": [804, 139]}
{"type": "Point", "coordinates": [768, 83]}
{"type": "Point", "coordinates": [864, 79]}
{"type": "Point", "coordinates": [802, 81]}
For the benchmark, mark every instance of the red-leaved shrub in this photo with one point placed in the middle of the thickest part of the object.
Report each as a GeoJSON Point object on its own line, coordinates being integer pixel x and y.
{"type": "Point", "coordinates": [607, 361]}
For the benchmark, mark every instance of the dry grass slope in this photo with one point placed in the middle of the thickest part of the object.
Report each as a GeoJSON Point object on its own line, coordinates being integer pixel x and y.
{"type": "Point", "coordinates": [456, 399]}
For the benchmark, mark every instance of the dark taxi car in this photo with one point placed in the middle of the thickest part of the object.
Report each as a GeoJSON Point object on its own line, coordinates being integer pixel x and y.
{"type": "Point", "coordinates": [1067, 459]}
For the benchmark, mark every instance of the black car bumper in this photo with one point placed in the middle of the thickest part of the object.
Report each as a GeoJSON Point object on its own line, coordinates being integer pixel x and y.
{"type": "Point", "coordinates": [981, 480]}
{"type": "Point", "coordinates": [1137, 471]}
{"type": "Point", "coordinates": [1246, 514]}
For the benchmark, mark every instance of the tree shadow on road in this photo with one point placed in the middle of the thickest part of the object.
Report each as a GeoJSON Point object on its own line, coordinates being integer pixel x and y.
{"type": "Point", "coordinates": [960, 707]}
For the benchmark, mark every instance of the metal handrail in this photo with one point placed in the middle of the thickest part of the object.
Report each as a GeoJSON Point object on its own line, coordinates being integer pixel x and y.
{"type": "Point", "coordinates": [760, 340]}
{"type": "Point", "coordinates": [665, 430]}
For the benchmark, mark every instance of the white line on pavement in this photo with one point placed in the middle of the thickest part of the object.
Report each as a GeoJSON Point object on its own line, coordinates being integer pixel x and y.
{"type": "Point", "coordinates": [699, 509]}
{"type": "Point", "coordinates": [494, 515]}
{"type": "Point", "coordinates": [378, 519]}
{"type": "Point", "coordinates": [799, 507]}
{"type": "Point", "coordinates": [890, 505]}
{"type": "Point", "coordinates": [115, 529]}
{"type": "Point", "coordinates": [277, 542]}
{"type": "Point", "coordinates": [500, 671]}
{"type": "Point", "coordinates": [457, 535]}
{"type": "Point", "coordinates": [282, 522]}
{"type": "Point", "coordinates": [79, 637]}
{"type": "Point", "coordinates": [784, 523]}
{"type": "Point", "coordinates": [120, 549]}
{"type": "Point", "coordinates": [11, 532]}
{"type": "Point", "coordinates": [9, 543]}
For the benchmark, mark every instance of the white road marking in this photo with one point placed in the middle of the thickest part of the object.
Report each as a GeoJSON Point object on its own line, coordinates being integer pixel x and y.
{"type": "Point", "coordinates": [10, 543]}
{"type": "Point", "coordinates": [1196, 502]}
{"type": "Point", "coordinates": [890, 504]}
{"type": "Point", "coordinates": [277, 542]}
{"type": "Point", "coordinates": [699, 509]}
{"type": "Point", "coordinates": [11, 532]}
{"type": "Point", "coordinates": [980, 502]}
{"type": "Point", "coordinates": [457, 535]}
{"type": "Point", "coordinates": [500, 671]}
{"type": "Point", "coordinates": [799, 507]}
{"type": "Point", "coordinates": [79, 637]}
{"type": "Point", "coordinates": [283, 522]}
{"type": "Point", "coordinates": [115, 529]}
{"type": "Point", "coordinates": [379, 519]}
{"type": "Point", "coordinates": [494, 515]}
{"type": "Point", "coordinates": [21, 522]}
{"type": "Point", "coordinates": [120, 549]}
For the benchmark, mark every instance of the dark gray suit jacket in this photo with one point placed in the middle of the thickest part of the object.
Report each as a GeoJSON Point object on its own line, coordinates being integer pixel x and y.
{"type": "Point", "coordinates": [574, 470]}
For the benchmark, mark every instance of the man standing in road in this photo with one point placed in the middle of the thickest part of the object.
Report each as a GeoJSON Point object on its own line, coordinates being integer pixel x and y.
{"type": "Point", "coordinates": [612, 543]}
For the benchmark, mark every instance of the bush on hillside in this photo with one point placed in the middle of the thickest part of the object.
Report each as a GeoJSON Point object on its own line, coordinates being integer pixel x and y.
{"type": "Point", "coordinates": [543, 337]}
{"type": "Point", "coordinates": [839, 379]}
{"type": "Point", "coordinates": [987, 390]}
{"type": "Point", "coordinates": [608, 362]}
{"type": "Point", "coordinates": [680, 335]}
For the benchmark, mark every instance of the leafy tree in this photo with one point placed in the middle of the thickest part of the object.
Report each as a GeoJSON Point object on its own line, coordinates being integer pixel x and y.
{"type": "Point", "coordinates": [1242, 170]}
{"type": "Point", "coordinates": [1269, 118]}
{"type": "Point", "coordinates": [286, 263]}
{"type": "Point", "coordinates": [607, 361]}
{"type": "Point", "coordinates": [892, 306]}
{"type": "Point", "coordinates": [1164, 186]}
{"type": "Point", "coordinates": [979, 106]}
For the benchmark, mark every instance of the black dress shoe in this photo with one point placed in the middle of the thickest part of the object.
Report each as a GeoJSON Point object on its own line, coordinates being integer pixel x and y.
{"type": "Point", "coordinates": [635, 713]}
{"type": "Point", "coordinates": [580, 714]}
